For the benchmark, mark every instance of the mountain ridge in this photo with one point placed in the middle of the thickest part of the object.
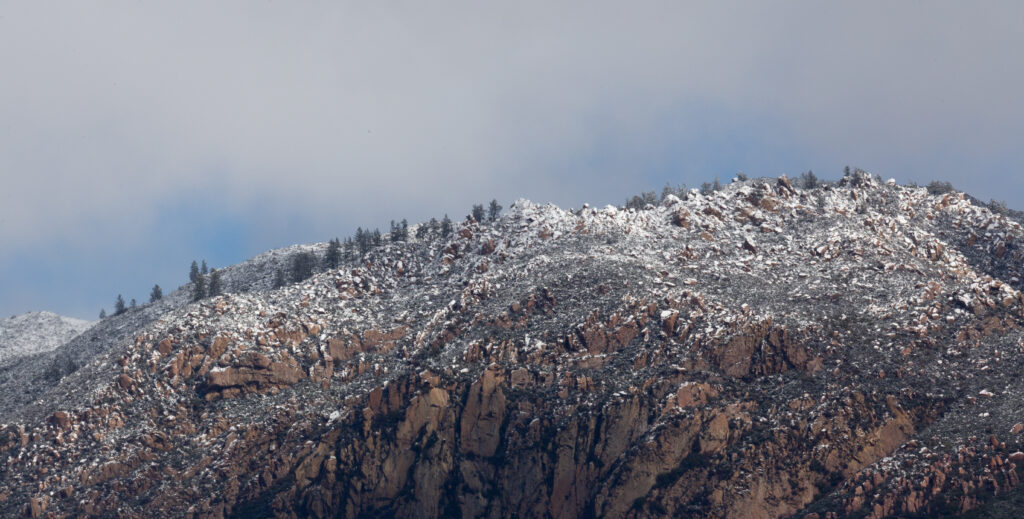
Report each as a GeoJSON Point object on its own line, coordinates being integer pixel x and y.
{"type": "Point", "coordinates": [761, 351]}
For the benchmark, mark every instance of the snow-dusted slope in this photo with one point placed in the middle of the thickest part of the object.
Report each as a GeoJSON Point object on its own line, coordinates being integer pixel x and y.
{"type": "Point", "coordinates": [850, 350]}
{"type": "Point", "coordinates": [36, 332]}
{"type": "Point", "coordinates": [25, 376]}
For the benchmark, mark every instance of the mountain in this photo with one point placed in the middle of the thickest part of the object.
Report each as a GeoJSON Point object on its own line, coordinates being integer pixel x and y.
{"type": "Point", "coordinates": [852, 350]}
{"type": "Point", "coordinates": [36, 332]}
{"type": "Point", "coordinates": [25, 378]}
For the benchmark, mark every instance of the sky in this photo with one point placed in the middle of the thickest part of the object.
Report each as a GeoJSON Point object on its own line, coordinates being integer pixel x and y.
{"type": "Point", "coordinates": [138, 136]}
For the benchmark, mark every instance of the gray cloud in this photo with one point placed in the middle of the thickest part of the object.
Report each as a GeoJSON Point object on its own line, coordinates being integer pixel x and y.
{"type": "Point", "coordinates": [326, 108]}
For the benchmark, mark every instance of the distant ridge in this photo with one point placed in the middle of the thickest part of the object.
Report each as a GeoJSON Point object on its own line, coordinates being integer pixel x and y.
{"type": "Point", "coordinates": [36, 332]}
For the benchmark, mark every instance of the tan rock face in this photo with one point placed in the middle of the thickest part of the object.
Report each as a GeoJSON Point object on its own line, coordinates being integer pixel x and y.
{"type": "Point", "coordinates": [36, 507]}
{"type": "Point", "coordinates": [694, 394]}
{"type": "Point", "coordinates": [426, 446]}
{"type": "Point", "coordinates": [715, 437]}
{"type": "Point", "coordinates": [61, 419]}
{"type": "Point", "coordinates": [483, 415]}
{"type": "Point", "coordinates": [488, 247]}
{"type": "Point", "coordinates": [681, 217]}
{"type": "Point", "coordinates": [254, 373]}
{"type": "Point", "coordinates": [164, 347]}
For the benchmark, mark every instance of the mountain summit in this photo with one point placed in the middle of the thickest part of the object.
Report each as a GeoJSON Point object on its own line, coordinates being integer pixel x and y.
{"type": "Point", "coordinates": [851, 350]}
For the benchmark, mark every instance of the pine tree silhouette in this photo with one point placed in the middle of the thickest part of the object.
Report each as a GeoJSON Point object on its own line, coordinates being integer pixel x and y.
{"type": "Point", "coordinates": [446, 226]}
{"type": "Point", "coordinates": [199, 288]}
{"type": "Point", "coordinates": [478, 212]}
{"type": "Point", "coordinates": [216, 287]}
{"type": "Point", "coordinates": [333, 257]}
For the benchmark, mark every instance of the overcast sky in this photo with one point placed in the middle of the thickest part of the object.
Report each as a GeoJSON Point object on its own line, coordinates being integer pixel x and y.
{"type": "Point", "coordinates": [136, 136]}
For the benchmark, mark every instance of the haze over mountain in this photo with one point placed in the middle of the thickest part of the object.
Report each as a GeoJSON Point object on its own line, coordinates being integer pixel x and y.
{"type": "Point", "coordinates": [138, 137]}
{"type": "Point", "coordinates": [769, 349]}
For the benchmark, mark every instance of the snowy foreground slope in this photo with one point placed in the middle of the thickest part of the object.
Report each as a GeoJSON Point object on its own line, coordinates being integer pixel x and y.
{"type": "Point", "coordinates": [763, 351]}
{"type": "Point", "coordinates": [36, 332]}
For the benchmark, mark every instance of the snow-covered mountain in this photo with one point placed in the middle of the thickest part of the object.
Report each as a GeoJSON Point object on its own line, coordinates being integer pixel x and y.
{"type": "Point", "coordinates": [851, 350]}
{"type": "Point", "coordinates": [37, 332]}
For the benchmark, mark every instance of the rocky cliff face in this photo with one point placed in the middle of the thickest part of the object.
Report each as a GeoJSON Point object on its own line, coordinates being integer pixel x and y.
{"type": "Point", "coordinates": [761, 352]}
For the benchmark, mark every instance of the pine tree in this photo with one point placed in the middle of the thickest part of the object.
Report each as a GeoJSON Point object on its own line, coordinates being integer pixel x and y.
{"type": "Point", "coordinates": [667, 190]}
{"type": "Point", "coordinates": [193, 272]}
{"type": "Point", "coordinates": [717, 186]}
{"type": "Point", "coordinates": [216, 287]}
{"type": "Point", "coordinates": [494, 210]}
{"type": "Point", "coordinates": [998, 207]}
{"type": "Point", "coordinates": [936, 187]}
{"type": "Point", "coordinates": [404, 229]}
{"type": "Point", "coordinates": [808, 180]}
{"type": "Point", "coordinates": [132, 303]}
{"type": "Point", "coordinates": [199, 288]}
{"type": "Point", "coordinates": [349, 248]}
{"type": "Point", "coordinates": [279, 280]}
{"type": "Point", "coordinates": [119, 307]}
{"type": "Point", "coordinates": [333, 257]}
{"type": "Point", "coordinates": [156, 294]}
{"type": "Point", "coordinates": [302, 266]}
{"type": "Point", "coordinates": [362, 240]}
{"type": "Point", "coordinates": [396, 232]}
{"type": "Point", "coordinates": [103, 313]}
{"type": "Point", "coordinates": [204, 270]}
{"type": "Point", "coordinates": [478, 212]}
{"type": "Point", "coordinates": [446, 226]}
{"type": "Point", "coordinates": [642, 200]}
{"type": "Point", "coordinates": [376, 237]}
{"type": "Point", "coordinates": [423, 229]}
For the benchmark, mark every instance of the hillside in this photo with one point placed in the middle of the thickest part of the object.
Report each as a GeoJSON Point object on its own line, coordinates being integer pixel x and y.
{"type": "Point", "coordinates": [761, 351]}
{"type": "Point", "coordinates": [36, 332]}
{"type": "Point", "coordinates": [25, 377]}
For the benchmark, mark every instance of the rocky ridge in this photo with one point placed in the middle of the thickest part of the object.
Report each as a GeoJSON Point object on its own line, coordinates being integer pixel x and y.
{"type": "Point", "coordinates": [763, 351]}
